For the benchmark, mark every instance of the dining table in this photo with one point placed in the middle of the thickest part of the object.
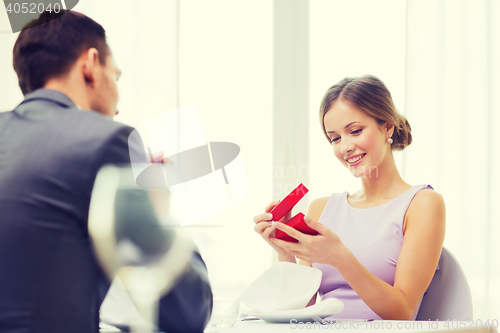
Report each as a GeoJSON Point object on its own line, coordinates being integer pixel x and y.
{"type": "Point", "coordinates": [254, 325]}
{"type": "Point", "coordinates": [451, 326]}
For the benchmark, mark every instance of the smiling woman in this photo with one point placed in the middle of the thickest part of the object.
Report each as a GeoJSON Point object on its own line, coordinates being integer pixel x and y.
{"type": "Point", "coordinates": [378, 248]}
{"type": "Point", "coordinates": [370, 95]}
{"type": "Point", "coordinates": [367, 102]}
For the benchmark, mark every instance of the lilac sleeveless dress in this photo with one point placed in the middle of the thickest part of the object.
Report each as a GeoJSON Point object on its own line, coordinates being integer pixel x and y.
{"type": "Point", "coordinates": [374, 235]}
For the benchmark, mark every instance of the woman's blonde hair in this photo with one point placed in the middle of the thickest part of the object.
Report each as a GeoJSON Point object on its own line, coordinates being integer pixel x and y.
{"type": "Point", "coordinates": [370, 95]}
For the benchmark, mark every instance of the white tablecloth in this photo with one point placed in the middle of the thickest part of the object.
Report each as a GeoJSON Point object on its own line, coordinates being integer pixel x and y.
{"type": "Point", "coordinates": [359, 326]}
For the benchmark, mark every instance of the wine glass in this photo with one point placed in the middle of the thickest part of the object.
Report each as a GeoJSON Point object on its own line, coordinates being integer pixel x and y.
{"type": "Point", "coordinates": [136, 235]}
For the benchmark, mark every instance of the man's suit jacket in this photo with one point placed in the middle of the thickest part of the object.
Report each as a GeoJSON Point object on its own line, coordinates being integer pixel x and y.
{"type": "Point", "coordinates": [50, 281]}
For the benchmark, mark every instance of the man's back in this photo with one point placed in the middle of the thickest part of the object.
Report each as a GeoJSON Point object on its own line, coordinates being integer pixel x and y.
{"type": "Point", "coordinates": [50, 152]}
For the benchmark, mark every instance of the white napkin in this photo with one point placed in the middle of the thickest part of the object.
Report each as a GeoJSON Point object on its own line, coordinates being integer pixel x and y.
{"type": "Point", "coordinates": [286, 286]}
{"type": "Point", "coordinates": [316, 312]}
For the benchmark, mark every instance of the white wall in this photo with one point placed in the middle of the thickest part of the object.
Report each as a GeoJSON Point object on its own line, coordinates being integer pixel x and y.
{"type": "Point", "coordinates": [351, 38]}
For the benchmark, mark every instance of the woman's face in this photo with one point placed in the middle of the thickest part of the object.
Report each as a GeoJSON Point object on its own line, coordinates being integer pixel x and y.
{"type": "Point", "coordinates": [355, 134]}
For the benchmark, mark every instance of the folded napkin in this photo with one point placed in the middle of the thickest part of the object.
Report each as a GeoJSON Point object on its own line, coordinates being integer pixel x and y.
{"type": "Point", "coordinates": [316, 312]}
{"type": "Point", "coordinates": [286, 286]}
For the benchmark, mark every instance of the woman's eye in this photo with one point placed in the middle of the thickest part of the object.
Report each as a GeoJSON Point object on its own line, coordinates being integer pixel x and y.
{"type": "Point", "coordinates": [353, 132]}
{"type": "Point", "coordinates": [334, 140]}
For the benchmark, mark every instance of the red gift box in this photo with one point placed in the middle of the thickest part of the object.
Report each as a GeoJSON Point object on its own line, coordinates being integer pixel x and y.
{"type": "Point", "coordinates": [290, 200]}
{"type": "Point", "coordinates": [297, 222]}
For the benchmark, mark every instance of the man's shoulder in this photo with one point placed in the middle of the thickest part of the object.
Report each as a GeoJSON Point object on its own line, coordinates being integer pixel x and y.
{"type": "Point", "coordinates": [90, 129]}
{"type": "Point", "coordinates": [49, 121]}
{"type": "Point", "coordinates": [99, 124]}
{"type": "Point", "coordinates": [55, 111]}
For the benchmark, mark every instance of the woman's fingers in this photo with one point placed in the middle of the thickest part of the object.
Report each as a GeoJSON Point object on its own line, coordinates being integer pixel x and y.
{"type": "Point", "coordinates": [288, 246]}
{"type": "Point", "coordinates": [265, 229]}
{"type": "Point", "coordinates": [271, 206]}
{"type": "Point", "coordinates": [264, 217]}
{"type": "Point", "coordinates": [268, 232]}
{"type": "Point", "coordinates": [290, 231]}
{"type": "Point", "coordinates": [315, 225]}
{"type": "Point", "coordinates": [260, 227]}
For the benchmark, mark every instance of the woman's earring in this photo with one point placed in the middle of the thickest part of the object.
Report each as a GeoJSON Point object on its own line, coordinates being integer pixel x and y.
{"type": "Point", "coordinates": [390, 141]}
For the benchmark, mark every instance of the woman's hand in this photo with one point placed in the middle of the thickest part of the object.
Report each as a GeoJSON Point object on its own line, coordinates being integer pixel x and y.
{"type": "Point", "coordinates": [324, 248]}
{"type": "Point", "coordinates": [265, 227]}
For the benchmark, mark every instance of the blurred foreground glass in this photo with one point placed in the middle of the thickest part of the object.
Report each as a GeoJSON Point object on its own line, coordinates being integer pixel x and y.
{"type": "Point", "coordinates": [136, 236]}
{"type": "Point", "coordinates": [224, 313]}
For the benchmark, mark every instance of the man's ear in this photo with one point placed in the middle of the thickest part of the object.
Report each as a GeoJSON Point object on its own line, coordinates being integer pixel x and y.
{"type": "Point", "coordinates": [90, 65]}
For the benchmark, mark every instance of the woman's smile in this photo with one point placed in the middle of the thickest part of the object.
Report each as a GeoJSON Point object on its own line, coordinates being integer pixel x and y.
{"type": "Point", "coordinates": [353, 161]}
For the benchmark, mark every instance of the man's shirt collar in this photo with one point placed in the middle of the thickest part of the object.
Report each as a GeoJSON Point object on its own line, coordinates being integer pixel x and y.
{"type": "Point", "coordinates": [51, 96]}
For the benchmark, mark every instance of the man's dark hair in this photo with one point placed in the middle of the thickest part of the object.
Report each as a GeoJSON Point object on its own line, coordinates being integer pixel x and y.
{"type": "Point", "coordinates": [49, 46]}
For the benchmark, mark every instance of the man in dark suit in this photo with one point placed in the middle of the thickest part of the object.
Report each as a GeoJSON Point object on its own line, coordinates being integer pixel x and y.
{"type": "Point", "coordinates": [51, 148]}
